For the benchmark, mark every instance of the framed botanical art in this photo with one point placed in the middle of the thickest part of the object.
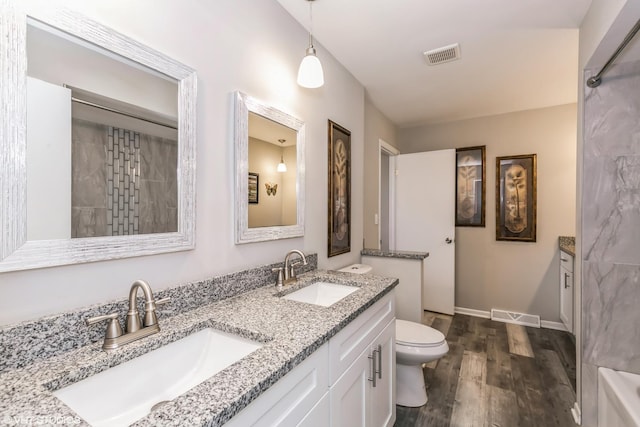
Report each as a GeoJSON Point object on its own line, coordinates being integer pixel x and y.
{"type": "Point", "coordinates": [470, 186]}
{"type": "Point", "coordinates": [339, 222]}
{"type": "Point", "coordinates": [254, 182]}
{"type": "Point", "coordinates": [516, 198]}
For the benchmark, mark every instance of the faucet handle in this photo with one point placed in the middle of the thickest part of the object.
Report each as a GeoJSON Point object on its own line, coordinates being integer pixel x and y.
{"type": "Point", "coordinates": [280, 280]}
{"type": "Point", "coordinates": [292, 272]}
{"type": "Point", "coordinates": [162, 301]}
{"type": "Point", "coordinates": [150, 316]}
{"type": "Point", "coordinates": [113, 326]}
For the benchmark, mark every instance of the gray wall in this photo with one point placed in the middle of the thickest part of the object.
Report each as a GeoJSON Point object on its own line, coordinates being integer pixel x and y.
{"type": "Point", "coordinates": [514, 276]}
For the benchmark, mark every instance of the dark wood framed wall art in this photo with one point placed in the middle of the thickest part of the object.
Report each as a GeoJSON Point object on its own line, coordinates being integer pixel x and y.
{"type": "Point", "coordinates": [471, 186]}
{"type": "Point", "coordinates": [254, 187]}
{"type": "Point", "coordinates": [516, 198]}
{"type": "Point", "coordinates": [339, 214]}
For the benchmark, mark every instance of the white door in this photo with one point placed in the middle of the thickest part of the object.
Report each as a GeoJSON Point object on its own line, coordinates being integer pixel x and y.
{"type": "Point", "coordinates": [425, 221]}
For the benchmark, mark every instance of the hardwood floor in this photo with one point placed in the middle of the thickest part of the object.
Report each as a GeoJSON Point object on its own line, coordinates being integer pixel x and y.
{"type": "Point", "coordinates": [496, 375]}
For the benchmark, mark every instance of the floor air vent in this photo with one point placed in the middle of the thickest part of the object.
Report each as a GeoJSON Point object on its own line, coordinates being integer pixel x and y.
{"type": "Point", "coordinates": [517, 318]}
{"type": "Point", "coordinates": [442, 55]}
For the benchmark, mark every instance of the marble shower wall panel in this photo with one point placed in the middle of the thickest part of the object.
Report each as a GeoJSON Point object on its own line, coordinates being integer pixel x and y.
{"type": "Point", "coordinates": [611, 188]}
{"type": "Point", "coordinates": [612, 209]}
{"type": "Point", "coordinates": [89, 175]}
{"type": "Point", "coordinates": [610, 301]}
{"type": "Point", "coordinates": [589, 405]}
{"type": "Point", "coordinates": [124, 182]}
{"type": "Point", "coordinates": [158, 185]}
{"type": "Point", "coordinates": [611, 221]}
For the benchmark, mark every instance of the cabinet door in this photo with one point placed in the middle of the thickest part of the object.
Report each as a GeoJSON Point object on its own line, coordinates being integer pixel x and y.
{"type": "Point", "coordinates": [357, 337]}
{"type": "Point", "coordinates": [383, 395]}
{"type": "Point", "coordinates": [349, 395]}
{"type": "Point", "coordinates": [566, 298]}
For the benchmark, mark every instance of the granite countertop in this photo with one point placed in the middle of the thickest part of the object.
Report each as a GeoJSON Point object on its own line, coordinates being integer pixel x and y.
{"type": "Point", "coordinates": [568, 244]}
{"type": "Point", "coordinates": [290, 331]}
{"type": "Point", "coordinates": [394, 254]}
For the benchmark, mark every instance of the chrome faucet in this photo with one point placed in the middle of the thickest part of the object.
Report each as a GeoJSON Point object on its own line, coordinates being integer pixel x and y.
{"type": "Point", "coordinates": [289, 272]}
{"type": "Point", "coordinates": [135, 329]}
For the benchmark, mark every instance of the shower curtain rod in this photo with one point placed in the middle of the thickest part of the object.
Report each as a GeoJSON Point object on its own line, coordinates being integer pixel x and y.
{"type": "Point", "coordinates": [113, 110]}
{"type": "Point", "coordinates": [597, 79]}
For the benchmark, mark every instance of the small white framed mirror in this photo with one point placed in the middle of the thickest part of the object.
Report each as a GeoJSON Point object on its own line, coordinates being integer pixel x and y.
{"type": "Point", "coordinates": [67, 195]}
{"type": "Point", "coordinates": [270, 171]}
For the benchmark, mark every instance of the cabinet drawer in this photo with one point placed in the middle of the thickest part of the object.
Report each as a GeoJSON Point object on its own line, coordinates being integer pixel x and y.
{"type": "Point", "coordinates": [566, 261]}
{"type": "Point", "coordinates": [289, 400]}
{"type": "Point", "coordinates": [346, 346]}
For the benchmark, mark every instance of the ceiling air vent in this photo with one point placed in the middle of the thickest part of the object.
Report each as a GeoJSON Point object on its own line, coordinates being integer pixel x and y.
{"type": "Point", "coordinates": [442, 55]}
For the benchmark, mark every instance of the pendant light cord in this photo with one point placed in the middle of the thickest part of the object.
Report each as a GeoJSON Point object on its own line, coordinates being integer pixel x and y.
{"type": "Point", "coordinates": [310, 23]}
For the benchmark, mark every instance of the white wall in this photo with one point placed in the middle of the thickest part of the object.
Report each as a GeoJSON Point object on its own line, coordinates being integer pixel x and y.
{"type": "Point", "coordinates": [247, 45]}
{"type": "Point", "coordinates": [514, 276]}
{"type": "Point", "coordinates": [49, 160]}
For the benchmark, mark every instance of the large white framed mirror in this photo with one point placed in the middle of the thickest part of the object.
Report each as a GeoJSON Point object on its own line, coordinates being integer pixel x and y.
{"type": "Point", "coordinates": [270, 170]}
{"type": "Point", "coordinates": [98, 143]}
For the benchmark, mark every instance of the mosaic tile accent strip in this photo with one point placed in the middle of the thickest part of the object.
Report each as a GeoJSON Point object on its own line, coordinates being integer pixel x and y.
{"type": "Point", "coordinates": [123, 182]}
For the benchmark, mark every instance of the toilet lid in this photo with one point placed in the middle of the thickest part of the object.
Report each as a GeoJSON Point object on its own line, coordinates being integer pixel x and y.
{"type": "Point", "coordinates": [417, 335]}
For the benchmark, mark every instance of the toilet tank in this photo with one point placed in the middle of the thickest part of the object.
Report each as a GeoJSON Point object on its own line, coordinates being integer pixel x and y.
{"type": "Point", "coordinates": [357, 269]}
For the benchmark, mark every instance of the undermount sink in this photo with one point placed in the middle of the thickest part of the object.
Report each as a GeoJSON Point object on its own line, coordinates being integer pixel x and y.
{"type": "Point", "coordinates": [127, 392]}
{"type": "Point", "coordinates": [321, 293]}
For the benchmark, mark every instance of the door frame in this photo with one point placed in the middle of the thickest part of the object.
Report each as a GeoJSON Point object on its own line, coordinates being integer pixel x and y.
{"type": "Point", "coordinates": [384, 148]}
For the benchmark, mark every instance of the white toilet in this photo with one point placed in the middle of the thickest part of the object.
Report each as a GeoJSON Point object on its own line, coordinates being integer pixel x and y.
{"type": "Point", "coordinates": [415, 344]}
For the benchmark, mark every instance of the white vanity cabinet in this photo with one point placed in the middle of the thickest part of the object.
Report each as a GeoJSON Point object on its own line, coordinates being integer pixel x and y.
{"type": "Point", "coordinates": [362, 369]}
{"type": "Point", "coordinates": [355, 399]}
{"type": "Point", "coordinates": [299, 398]}
{"type": "Point", "coordinates": [566, 290]}
{"type": "Point", "coordinates": [335, 386]}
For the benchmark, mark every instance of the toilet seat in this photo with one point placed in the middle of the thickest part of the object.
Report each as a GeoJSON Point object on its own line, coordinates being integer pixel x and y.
{"type": "Point", "coordinates": [414, 334]}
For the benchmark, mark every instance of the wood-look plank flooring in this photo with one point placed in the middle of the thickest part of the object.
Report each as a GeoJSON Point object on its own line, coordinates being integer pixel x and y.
{"type": "Point", "coordinates": [496, 375]}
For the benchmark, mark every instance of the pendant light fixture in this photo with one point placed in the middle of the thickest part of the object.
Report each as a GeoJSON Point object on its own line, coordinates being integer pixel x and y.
{"type": "Point", "coordinates": [310, 74]}
{"type": "Point", "coordinates": [281, 166]}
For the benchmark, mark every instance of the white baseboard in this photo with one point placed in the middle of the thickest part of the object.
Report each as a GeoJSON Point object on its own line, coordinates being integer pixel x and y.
{"type": "Point", "coordinates": [487, 315]}
{"type": "Point", "coordinates": [472, 312]}
{"type": "Point", "coordinates": [577, 414]}
{"type": "Point", "coordinates": [559, 326]}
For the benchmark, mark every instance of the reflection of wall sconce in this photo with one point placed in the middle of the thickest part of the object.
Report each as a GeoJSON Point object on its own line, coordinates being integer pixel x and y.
{"type": "Point", "coordinates": [282, 167]}
{"type": "Point", "coordinates": [271, 188]}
